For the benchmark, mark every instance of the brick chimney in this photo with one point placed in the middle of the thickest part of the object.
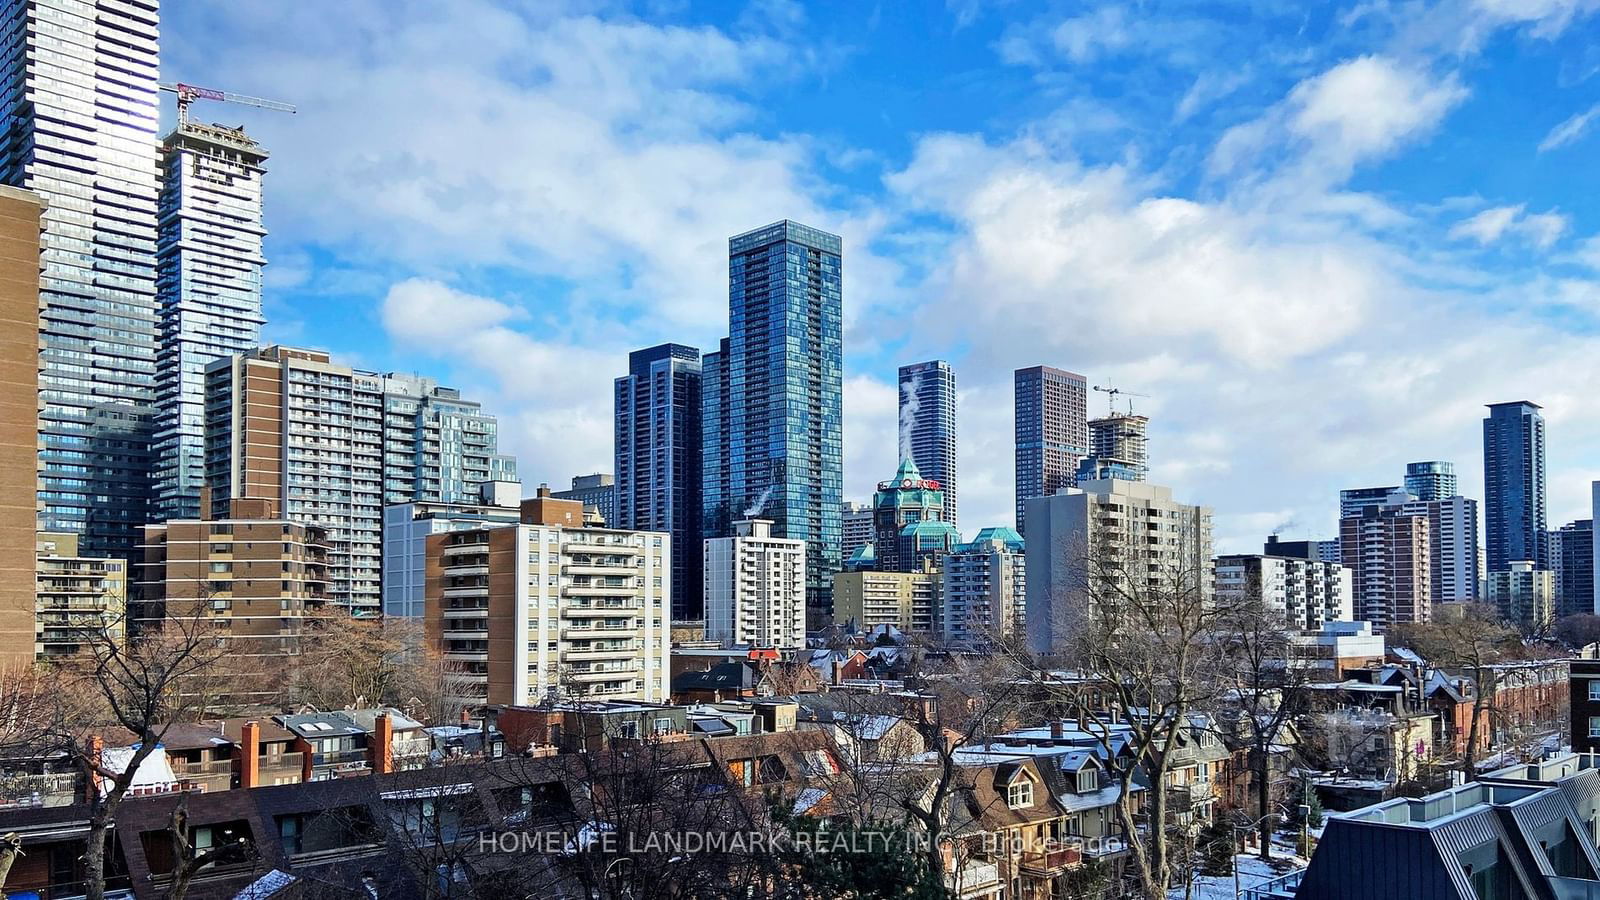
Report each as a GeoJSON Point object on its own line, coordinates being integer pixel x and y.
{"type": "Point", "coordinates": [1056, 731]}
{"type": "Point", "coordinates": [249, 755]}
{"type": "Point", "coordinates": [382, 746]}
{"type": "Point", "coordinates": [466, 717]}
{"type": "Point", "coordinates": [97, 747]}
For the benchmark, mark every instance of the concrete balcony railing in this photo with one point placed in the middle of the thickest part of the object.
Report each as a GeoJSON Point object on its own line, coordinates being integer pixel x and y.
{"type": "Point", "coordinates": [572, 611]}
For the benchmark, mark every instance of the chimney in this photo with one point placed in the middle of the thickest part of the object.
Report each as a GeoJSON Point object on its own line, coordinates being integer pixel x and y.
{"type": "Point", "coordinates": [466, 717]}
{"type": "Point", "coordinates": [382, 746]}
{"type": "Point", "coordinates": [205, 503]}
{"type": "Point", "coordinates": [97, 746]}
{"type": "Point", "coordinates": [542, 491]}
{"type": "Point", "coordinates": [1056, 731]}
{"type": "Point", "coordinates": [249, 755]}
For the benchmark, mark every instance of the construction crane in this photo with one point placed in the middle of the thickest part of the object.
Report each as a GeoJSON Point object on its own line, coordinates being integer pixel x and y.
{"type": "Point", "coordinates": [1111, 398]}
{"type": "Point", "coordinates": [188, 93]}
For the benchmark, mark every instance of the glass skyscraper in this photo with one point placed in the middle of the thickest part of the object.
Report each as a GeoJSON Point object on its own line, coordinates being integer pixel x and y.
{"type": "Point", "coordinates": [779, 454]}
{"type": "Point", "coordinates": [81, 114]}
{"type": "Point", "coordinates": [1432, 480]}
{"type": "Point", "coordinates": [1514, 486]}
{"type": "Point", "coordinates": [208, 277]}
{"type": "Point", "coordinates": [928, 425]}
{"type": "Point", "coordinates": [658, 460]}
{"type": "Point", "coordinates": [1052, 432]}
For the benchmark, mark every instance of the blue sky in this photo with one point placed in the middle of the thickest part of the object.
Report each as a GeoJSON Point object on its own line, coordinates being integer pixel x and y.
{"type": "Point", "coordinates": [1319, 237]}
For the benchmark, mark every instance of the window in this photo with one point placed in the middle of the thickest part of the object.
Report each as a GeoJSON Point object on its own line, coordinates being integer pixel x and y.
{"type": "Point", "coordinates": [1594, 689]}
{"type": "Point", "coordinates": [1594, 726]}
{"type": "Point", "coordinates": [1020, 794]}
{"type": "Point", "coordinates": [1087, 780]}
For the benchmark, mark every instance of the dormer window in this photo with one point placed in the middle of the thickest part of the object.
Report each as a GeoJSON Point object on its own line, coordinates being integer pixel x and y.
{"type": "Point", "coordinates": [1020, 794]}
{"type": "Point", "coordinates": [1087, 781]}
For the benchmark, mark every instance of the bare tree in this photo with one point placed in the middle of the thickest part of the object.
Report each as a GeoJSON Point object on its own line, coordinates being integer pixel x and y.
{"type": "Point", "coordinates": [1267, 690]}
{"type": "Point", "coordinates": [1140, 629]}
{"type": "Point", "coordinates": [168, 672]}
{"type": "Point", "coordinates": [347, 660]}
{"type": "Point", "coordinates": [1473, 645]}
{"type": "Point", "coordinates": [187, 859]}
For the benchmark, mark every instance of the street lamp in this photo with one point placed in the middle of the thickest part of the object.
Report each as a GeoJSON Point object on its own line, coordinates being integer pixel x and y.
{"type": "Point", "coordinates": [1305, 825]}
{"type": "Point", "coordinates": [1236, 846]}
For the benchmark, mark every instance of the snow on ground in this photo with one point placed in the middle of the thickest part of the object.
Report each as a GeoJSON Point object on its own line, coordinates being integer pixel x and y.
{"type": "Point", "coordinates": [1252, 871]}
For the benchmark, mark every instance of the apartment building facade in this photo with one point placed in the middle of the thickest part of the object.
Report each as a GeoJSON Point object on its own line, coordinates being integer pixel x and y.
{"type": "Point", "coordinates": [1112, 525]}
{"type": "Point", "coordinates": [908, 601]}
{"type": "Point", "coordinates": [208, 282]}
{"type": "Point", "coordinates": [928, 425]}
{"type": "Point", "coordinates": [1051, 430]}
{"type": "Point", "coordinates": [330, 445]}
{"type": "Point", "coordinates": [985, 587]}
{"type": "Point", "coordinates": [755, 588]}
{"type": "Point", "coordinates": [20, 224]}
{"type": "Point", "coordinates": [254, 575]}
{"type": "Point", "coordinates": [406, 527]}
{"type": "Point", "coordinates": [74, 593]}
{"type": "Point", "coordinates": [1308, 592]}
{"type": "Point", "coordinates": [537, 611]}
{"type": "Point", "coordinates": [1388, 552]}
{"type": "Point", "coordinates": [1523, 594]}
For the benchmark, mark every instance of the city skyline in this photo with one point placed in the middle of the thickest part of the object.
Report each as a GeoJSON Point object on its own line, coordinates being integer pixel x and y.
{"type": "Point", "coordinates": [488, 323]}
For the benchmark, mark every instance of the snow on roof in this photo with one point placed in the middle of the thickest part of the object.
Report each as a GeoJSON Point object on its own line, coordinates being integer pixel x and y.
{"type": "Point", "coordinates": [808, 798]}
{"type": "Point", "coordinates": [155, 771]}
{"type": "Point", "coordinates": [1408, 655]}
{"type": "Point", "coordinates": [266, 886]}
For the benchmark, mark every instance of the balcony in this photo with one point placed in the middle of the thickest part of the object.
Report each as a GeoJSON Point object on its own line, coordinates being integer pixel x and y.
{"type": "Point", "coordinates": [202, 769]}
{"type": "Point", "coordinates": [606, 675]}
{"type": "Point", "coordinates": [580, 633]}
{"type": "Point", "coordinates": [22, 791]}
{"type": "Point", "coordinates": [582, 546]}
{"type": "Point", "coordinates": [1050, 862]}
{"type": "Point", "coordinates": [602, 590]}
{"type": "Point", "coordinates": [467, 569]}
{"type": "Point", "coordinates": [280, 764]}
{"type": "Point", "coordinates": [599, 568]}
{"type": "Point", "coordinates": [631, 609]}
{"type": "Point", "coordinates": [975, 878]}
{"type": "Point", "coordinates": [341, 758]}
{"type": "Point", "coordinates": [576, 655]}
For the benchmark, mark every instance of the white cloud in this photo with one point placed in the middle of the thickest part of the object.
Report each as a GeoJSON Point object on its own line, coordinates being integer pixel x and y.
{"type": "Point", "coordinates": [1545, 18]}
{"type": "Point", "coordinates": [1360, 110]}
{"type": "Point", "coordinates": [1290, 349]}
{"type": "Point", "coordinates": [1084, 38]}
{"type": "Point", "coordinates": [1570, 130]}
{"type": "Point", "coordinates": [1489, 226]}
{"type": "Point", "coordinates": [611, 154]}
{"type": "Point", "coordinates": [552, 397]}
{"type": "Point", "coordinates": [1208, 88]}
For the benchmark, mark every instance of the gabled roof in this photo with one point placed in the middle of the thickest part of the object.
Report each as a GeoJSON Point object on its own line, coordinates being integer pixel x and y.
{"type": "Point", "coordinates": [721, 677]}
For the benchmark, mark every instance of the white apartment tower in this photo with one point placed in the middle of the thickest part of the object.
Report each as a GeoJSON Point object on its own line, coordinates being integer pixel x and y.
{"type": "Point", "coordinates": [755, 588]}
{"type": "Point", "coordinates": [544, 612]}
{"type": "Point", "coordinates": [1308, 592]}
{"type": "Point", "coordinates": [1133, 524]}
